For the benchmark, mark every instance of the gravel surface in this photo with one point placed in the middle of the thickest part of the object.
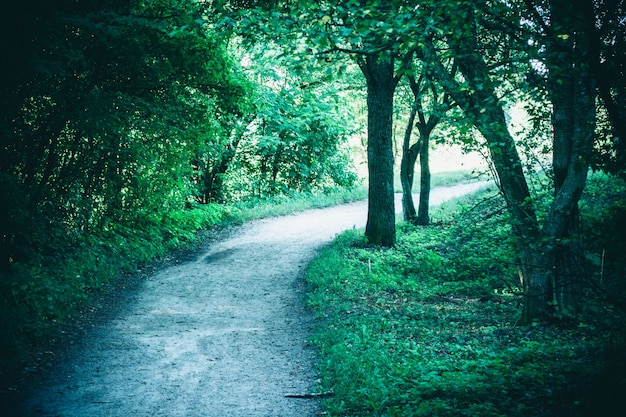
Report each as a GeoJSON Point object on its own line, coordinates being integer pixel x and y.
{"type": "Point", "coordinates": [222, 332]}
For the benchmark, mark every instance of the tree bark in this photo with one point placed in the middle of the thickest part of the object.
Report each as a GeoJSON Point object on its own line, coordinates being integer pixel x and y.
{"type": "Point", "coordinates": [547, 255]}
{"type": "Point", "coordinates": [425, 127]}
{"type": "Point", "coordinates": [214, 176]}
{"type": "Point", "coordinates": [381, 83]}
{"type": "Point", "coordinates": [572, 93]}
{"type": "Point", "coordinates": [410, 153]}
{"type": "Point", "coordinates": [608, 71]}
{"type": "Point", "coordinates": [407, 167]}
{"type": "Point", "coordinates": [423, 217]}
{"type": "Point", "coordinates": [481, 104]}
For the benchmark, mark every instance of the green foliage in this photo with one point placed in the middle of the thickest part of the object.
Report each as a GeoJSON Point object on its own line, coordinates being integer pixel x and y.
{"type": "Point", "coordinates": [603, 213]}
{"type": "Point", "coordinates": [105, 130]}
{"type": "Point", "coordinates": [430, 328]}
{"type": "Point", "coordinates": [297, 140]}
{"type": "Point", "coordinates": [123, 124]}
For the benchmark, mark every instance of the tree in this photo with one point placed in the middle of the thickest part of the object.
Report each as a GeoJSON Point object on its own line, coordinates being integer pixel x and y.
{"type": "Point", "coordinates": [371, 31]}
{"type": "Point", "coordinates": [101, 128]}
{"type": "Point", "coordinates": [378, 35]}
{"type": "Point", "coordinates": [607, 48]}
{"type": "Point", "coordinates": [297, 140]}
{"type": "Point", "coordinates": [499, 47]}
{"type": "Point", "coordinates": [410, 153]}
{"type": "Point", "coordinates": [421, 87]}
{"type": "Point", "coordinates": [549, 279]}
{"type": "Point", "coordinates": [572, 94]}
{"type": "Point", "coordinates": [379, 72]}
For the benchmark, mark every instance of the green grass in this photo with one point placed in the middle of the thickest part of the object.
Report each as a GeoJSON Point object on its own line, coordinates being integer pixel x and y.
{"type": "Point", "coordinates": [443, 179]}
{"type": "Point", "coordinates": [258, 208]}
{"type": "Point", "coordinates": [429, 328]}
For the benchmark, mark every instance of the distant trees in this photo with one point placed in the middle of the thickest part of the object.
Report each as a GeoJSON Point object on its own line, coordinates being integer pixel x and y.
{"type": "Point", "coordinates": [296, 140]}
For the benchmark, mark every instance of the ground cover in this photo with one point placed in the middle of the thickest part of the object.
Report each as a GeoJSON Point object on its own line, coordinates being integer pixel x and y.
{"type": "Point", "coordinates": [430, 328]}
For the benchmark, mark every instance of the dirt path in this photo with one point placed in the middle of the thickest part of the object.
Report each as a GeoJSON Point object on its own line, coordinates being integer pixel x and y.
{"type": "Point", "coordinates": [221, 334]}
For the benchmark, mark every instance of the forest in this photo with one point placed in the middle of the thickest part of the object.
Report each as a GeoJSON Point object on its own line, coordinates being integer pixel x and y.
{"type": "Point", "coordinates": [130, 127]}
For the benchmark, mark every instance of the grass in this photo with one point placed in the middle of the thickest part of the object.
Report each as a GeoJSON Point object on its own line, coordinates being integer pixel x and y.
{"type": "Point", "coordinates": [429, 328]}
{"type": "Point", "coordinates": [442, 179]}
{"type": "Point", "coordinates": [258, 208]}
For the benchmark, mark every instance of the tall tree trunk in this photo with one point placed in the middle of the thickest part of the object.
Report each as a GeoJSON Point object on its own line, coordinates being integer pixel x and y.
{"type": "Point", "coordinates": [572, 93]}
{"type": "Point", "coordinates": [425, 127]}
{"type": "Point", "coordinates": [481, 104]}
{"type": "Point", "coordinates": [420, 148]}
{"type": "Point", "coordinates": [608, 70]}
{"type": "Point", "coordinates": [547, 268]}
{"type": "Point", "coordinates": [423, 218]}
{"type": "Point", "coordinates": [381, 83]}
{"type": "Point", "coordinates": [407, 167]}
{"type": "Point", "coordinates": [214, 177]}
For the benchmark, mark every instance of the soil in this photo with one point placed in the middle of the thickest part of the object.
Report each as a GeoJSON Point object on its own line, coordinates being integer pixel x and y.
{"type": "Point", "coordinates": [220, 332]}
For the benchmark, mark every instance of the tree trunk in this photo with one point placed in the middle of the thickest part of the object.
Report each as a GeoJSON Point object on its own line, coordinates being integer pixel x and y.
{"type": "Point", "coordinates": [426, 128]}
{"type": "Point", "coordinates": [423, 218]}
{"type": "Point", "coordinates": [481, 104]}
{"type": "Point", "coordinates": [572, 93]}
{"type": "Point", "coordinates": [608, 72]}
{"type": "Point", "coordinates": [547, 267]}
{"type": "Point", "coordinates": [411, 152]}
{"type": "Point", "coordinates": [276, 161]}
{"type": "Point", "coordinates": [381, 83]}
{"type": "Point", "coordinates": [407, 168]}
{"type": "Point", "coordinates": [214, 178]}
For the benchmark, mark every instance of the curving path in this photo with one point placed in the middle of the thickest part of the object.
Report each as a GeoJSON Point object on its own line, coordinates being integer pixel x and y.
{"type": "Point", "coordinates": [220, 334]}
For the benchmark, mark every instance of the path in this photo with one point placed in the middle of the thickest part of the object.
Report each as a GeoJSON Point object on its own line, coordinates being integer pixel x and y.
{"type": "Point", "coordinates": [222, 334]}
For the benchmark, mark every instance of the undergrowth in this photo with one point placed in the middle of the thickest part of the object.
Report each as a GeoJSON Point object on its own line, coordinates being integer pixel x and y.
{"type": "Point", "coordinates": [40, 294]}
{"type": "Point", "coordinates": [430, 328]}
